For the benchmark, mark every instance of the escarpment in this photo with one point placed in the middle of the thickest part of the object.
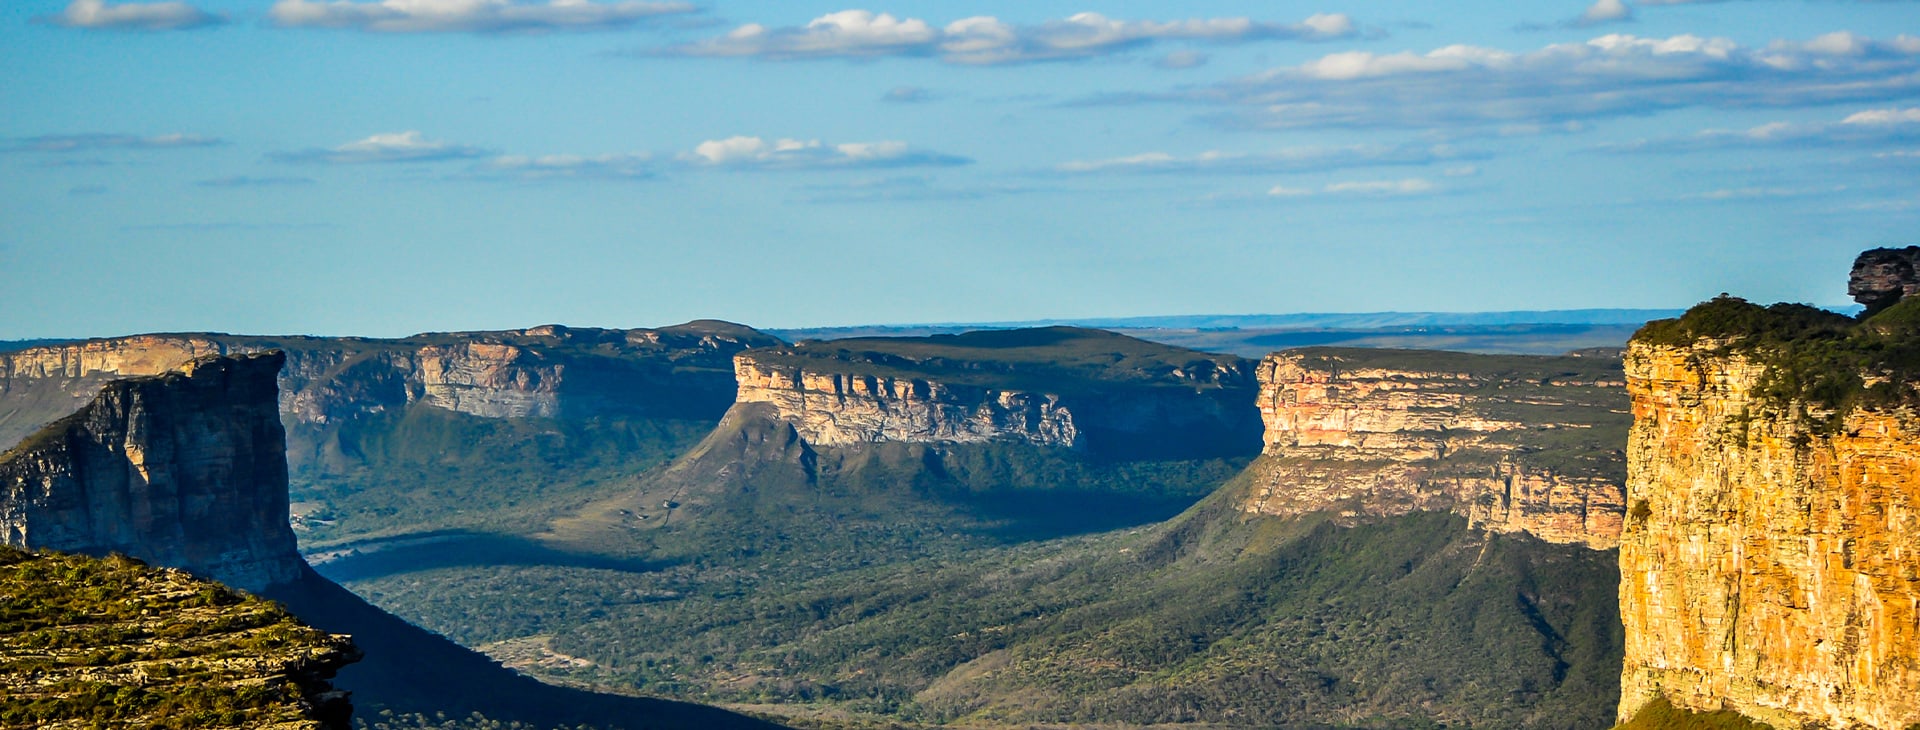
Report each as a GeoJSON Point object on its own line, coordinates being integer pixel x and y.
{"type": "Point", "coordinates": [186, 469]}
{"type": "Point", "coordinates": [683, 371]}
{"type": "Point", "coordinates": [1085, 390]}
{"type": "Point", "coordinates": [1514, 444]}
{"type": "Point", "coordinates": [1771, 560]}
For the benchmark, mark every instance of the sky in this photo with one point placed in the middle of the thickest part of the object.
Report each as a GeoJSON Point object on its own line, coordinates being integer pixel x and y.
{"type": "Point", "coordinates": [363, 167]}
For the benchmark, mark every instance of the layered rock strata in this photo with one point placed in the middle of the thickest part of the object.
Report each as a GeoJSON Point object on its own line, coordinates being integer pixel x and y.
{"type": "Point", "coordinates": [1085, 390]}
{"type": "Point", "coordinates": [1767, 567]}
{"type": "Point", "coordinates": [543, 372]}
{"type": "Point", "coordinates": [186, 469]}
{"type": "Point", "coordinates": [836, 409]}
{"type": "Point", "coordinates": [1512, 444]}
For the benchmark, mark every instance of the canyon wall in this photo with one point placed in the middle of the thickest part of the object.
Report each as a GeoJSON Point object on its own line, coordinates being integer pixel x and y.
{"type": "Point", "coordinates": [837, 409]}
{"type": "Point", "coordinates": [1138, 401]}
{"type": "Point", "coordinates": [186, 469]}
{"type": "Point", "coordinates": [542, 372]}
{"type": "Point", "coordinates": [1513, 444]}
{"type": "Point", "coordinates": [1769, 567]}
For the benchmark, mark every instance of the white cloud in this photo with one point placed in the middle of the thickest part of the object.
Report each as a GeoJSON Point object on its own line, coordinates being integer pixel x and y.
{"type": "Point", "coordinates": [1604, 11]}
{"type": "Point", "coordinates": [1363, 188]}
{"type": "Point", "coordinates": [470, 16]}
{"type": "Point", "coordinates": [1470, 86]}
{"type": "Point", "coordinates": [1408, 186]}
{"type": "Point", "coordinates": [94, 142]}
{"type": "Point", "coordinates": [409, 146]}
{"type": "Point", "coordinates": [985, 40]}
{"type": "Point", "coordinates": [97, 14]}
{"type": "Point", "coordinates": [1763, 193]}
{"type": "Point", "coordinates": [635, 166]}
{"type": "Point", "coordinates": [1871, 127]}
{"type": "Point", "coordinates": [1293, 159]}
{"type": "Point", "coordinates": [796, 154]}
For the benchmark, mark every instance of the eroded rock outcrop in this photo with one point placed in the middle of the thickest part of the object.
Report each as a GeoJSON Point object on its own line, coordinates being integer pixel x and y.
{"type": "Point", "coordinates": [1770, 565]}
{"type": "Point", "coordinates": [839, 409]}
{"type": "Point", "coordinates": [1883, 276]}
{"type": "Point", "coordinates": [186, 469]}
{"type": "Point", "coordinates": [1514, 444]}
{"type": "Point", "coordinates": [1056, 387]}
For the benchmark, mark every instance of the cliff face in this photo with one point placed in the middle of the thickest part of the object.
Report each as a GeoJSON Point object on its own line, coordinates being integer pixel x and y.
{"type": "Point", "coordinates": [185, 469]}
{"type": "Point", "coordinates": [1512, 444]}
{"type": "Point", "coordinates": [1096, 392]}
{"type": "Point", "coordinates": [542, 372]}
{"type": "Point", "coordinates": [833, 409]}
{"type": "Point", "coordinates": [1768, 567]}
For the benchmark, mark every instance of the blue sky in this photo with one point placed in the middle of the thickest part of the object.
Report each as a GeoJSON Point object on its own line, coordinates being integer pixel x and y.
{"type": "Point", "coordinates": [382, 168]}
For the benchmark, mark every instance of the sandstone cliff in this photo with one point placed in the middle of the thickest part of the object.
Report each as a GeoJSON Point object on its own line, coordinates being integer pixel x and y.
{"type": "Point", "coordinates": [1087, 390]}
{"type": "Point", "coordinates": [186, 469]}
{"type": "Point", "coordinates": [1771, 561]}
{"type": "Point", "coordinates": [544, 372]}
{"type": "Point", "coordinates": [1514, 444]}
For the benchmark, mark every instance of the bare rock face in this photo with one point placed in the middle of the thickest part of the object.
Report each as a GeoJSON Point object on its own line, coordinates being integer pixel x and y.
{"type": "Point", "coordinates": [542, 372]}
{"type": "Point", "coordinates": [1107, 395]}
{"type": "Point", "coordinates": [1354, 435]}
{"type": "Point", "coordinates": [1883, 276]}
{"type": "Point", "coordinates": [1767, 568]}
{"type": "Point", "coordinates": [833, 409]}
{"type": "Point", "coordinates": [186, 469]}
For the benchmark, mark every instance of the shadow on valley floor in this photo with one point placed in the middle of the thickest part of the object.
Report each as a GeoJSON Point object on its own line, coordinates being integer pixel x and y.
{"type": "Point", "coordinates": [408, 669]}
{"type": "Point", "coordinates": [458, 549]}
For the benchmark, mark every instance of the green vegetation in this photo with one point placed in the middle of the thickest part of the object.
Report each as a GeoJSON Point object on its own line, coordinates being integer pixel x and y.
{"type": "Point", "coordinates": [1212, 618]}
{"type": "Point", "coordinates": [1660, 714]}
{"type": "Point", "coordinates": [97, 643]}
{"type": "Point", "coordinates": [1820, 366]}
{"type": "Point", "coordinates": [427, 468]}
{"type": "Point", "coordinates": [1059, 360]}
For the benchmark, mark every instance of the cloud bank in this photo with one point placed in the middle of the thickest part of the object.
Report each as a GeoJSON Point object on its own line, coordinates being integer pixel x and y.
{"type": "Point", "coordinates": [1612, 75]}
{"type": "Point", "coordinates": [409, 146]}
{"type": "Point", "coordinates": [1290, 160]}
{"type": "Point", "coordinates": [985, 40]}
{"type": "Point", "coordinates": [794, 154]}
{"type": "Point", "coordinates": [100, 15]}
{"type": "Point", "coordinates": [1867, 128]}
{"type": "Point", "coordinates": [95, 142]}
{"type": "Point", "coordinates": [468, 16]}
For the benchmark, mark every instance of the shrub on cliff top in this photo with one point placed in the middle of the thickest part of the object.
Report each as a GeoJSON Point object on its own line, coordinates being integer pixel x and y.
{"type": "Point", "coordinates": [1820, 365]}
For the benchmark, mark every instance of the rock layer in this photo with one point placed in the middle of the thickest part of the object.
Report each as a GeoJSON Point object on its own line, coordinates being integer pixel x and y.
{"type": "Point", "coordinates": [1108, 395]}
{"type": "Point", "coordinates": [1767, 568]}
{"type": "Point", "coordinates": [835, 409]}
{"type": "Point", "coordinates": [543, 372]}
{"type": "Point", "coordinates": [185, 469]}
{"type": "Point", "coordinates": [1373, 434]}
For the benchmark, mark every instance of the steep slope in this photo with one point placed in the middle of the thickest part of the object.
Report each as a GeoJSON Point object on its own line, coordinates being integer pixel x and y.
{"type": "Point", "coordinates": [185, 469]}
{"type": "Point", "coordinates": [188, 469]}
{"type": "Point", "coordinates": [1771, 560]}
{"type": "Point", "coordinates": [478, 430]}
{"type": "Point", "coordinates": [849, 577]}
{"type": "Point", "coordinates": [887, 448]}
{"type": "Point", "coordinates": [1512, 443]}
{"type": "Point", "coordinates": [88, 642]}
